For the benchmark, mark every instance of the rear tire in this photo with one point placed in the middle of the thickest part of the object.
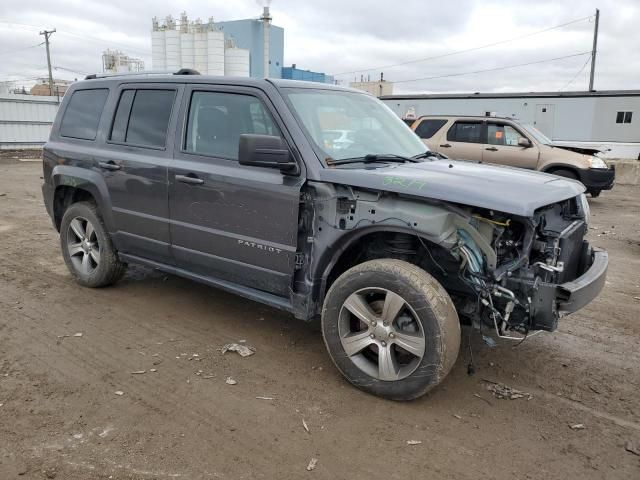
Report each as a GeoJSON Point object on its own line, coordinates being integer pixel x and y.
{"type": "Point", "coordinates": [87, 248]}
{"type": "Point", "coordinates": [404, 336]}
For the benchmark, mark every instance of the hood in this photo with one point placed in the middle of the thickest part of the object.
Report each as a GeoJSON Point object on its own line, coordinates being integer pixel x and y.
{"type": "Point", "coordinates": [581, 150]}
{"type": "Point", "coordinates": [503, 189]}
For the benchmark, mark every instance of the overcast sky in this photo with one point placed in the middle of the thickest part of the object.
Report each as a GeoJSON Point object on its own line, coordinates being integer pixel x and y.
{"type": "Point", "coordinates": [335, 36]}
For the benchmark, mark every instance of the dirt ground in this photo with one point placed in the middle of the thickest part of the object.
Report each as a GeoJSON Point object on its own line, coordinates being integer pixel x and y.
{"type": "Point", "coordinates": [61, 418]}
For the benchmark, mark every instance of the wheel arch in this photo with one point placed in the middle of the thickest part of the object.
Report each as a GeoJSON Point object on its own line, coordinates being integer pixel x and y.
{"type": "Point", "coordinates": [73, 184]}
{"type": "Point", "coordinates": [335, 261]}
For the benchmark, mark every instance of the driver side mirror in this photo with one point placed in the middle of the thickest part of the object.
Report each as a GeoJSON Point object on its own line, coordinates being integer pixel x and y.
{"type": "Point", "coordinates": [524, 142]}
{"type": "Point", "coordinates": [265, 151]}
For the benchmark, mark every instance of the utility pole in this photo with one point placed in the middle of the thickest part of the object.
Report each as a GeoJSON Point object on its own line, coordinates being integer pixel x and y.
{"type": "Point", "coordinates": [47, 34]}
{"type": "Point", "coordinates": [593, 52]}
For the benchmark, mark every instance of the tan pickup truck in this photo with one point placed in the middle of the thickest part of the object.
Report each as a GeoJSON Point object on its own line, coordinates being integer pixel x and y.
{"type": "Point", "coordinates": [507, 142]}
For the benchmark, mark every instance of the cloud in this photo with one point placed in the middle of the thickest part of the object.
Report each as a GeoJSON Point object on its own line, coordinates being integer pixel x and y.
{"type": "Point", "coordinates": [338, 36]}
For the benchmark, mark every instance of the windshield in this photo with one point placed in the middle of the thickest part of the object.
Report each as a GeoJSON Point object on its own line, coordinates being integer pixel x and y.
{"type": "Point", "coordinates": [350, 125]}
{"type": "Point", "coordinates": [537, 134]}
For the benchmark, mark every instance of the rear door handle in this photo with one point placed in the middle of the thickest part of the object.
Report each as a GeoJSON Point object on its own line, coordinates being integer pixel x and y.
{"type": "Point", "coordinates": [492, 149]}
{"type": "Point", "coordinates": [190, 179]}
{"type": "Point", "coordinates": [111, 165]}
{"type": "Point", "coordinates": [446, 145]}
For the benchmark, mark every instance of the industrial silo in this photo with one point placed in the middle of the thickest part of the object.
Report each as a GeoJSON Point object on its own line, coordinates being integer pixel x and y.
{"type": "Point", "coordinates": [236, 60]}
{"type": "Point", "coordinates": [200, 46]}
{"type": "Point", "coordinates": [157, 47]}
{"type": "Point", "coordinates": [215, 50]}
{"type": "Point", "coordinates": [172, 45]}
{"type": "Point", "coordinates": [187, 46]}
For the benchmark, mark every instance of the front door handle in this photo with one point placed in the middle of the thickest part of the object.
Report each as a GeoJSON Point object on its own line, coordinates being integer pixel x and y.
{"type": "Point", "coordinates": [110, 165]}
{"type": "Point", "coordinates": [446, 145]}
{"type": "Point", "coordinates": [492, 149]}
{"type": "Point", "coordinates": [190, 179]}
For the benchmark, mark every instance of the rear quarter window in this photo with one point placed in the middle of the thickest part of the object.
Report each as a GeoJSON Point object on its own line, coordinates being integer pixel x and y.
{"type": "Point", "coordinates": [82, 115]}
{"type": "Point", "coordinates": [428, 128]}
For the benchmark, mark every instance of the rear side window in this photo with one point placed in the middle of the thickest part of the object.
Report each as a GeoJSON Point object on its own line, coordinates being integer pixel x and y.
{"type": "Point", "coordinates": [82, 116]}
{"type": "Point", "coordinates": [466, 132]}
{"type": "Point", "coordinates": [142, 117]}
{"type": "Point", "coordinates": [427, 128]}
{"type": "Point", "coordinates": [216, 121]}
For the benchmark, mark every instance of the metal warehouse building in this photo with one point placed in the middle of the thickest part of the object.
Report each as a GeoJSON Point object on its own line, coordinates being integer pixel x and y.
{"type": "Point", "coordinates": [608, 119]}
{"type": "Point", "coordinates": [25, 120]}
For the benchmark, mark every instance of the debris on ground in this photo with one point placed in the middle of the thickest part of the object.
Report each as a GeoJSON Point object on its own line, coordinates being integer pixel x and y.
{"type": "Point", "coordinates": [243, 350]}
{"type": "Point", "coordinates": [501, 390]}
{"type": "Point", "coordinates": [482, 398]}
{"type": "Point", "coordinates": [305, 426]}
{"type": "Point", "coordinates": [265, 398]}
{"type": "Point", "coordinates": [119, 393]}
{"type": "Point", "coordinates": [79, 334]}
{"type": "Point", "coordinates": [153, 370]}
{"type": "Point", "coordinates": [577, 426]}
{"type": "Point", "coordinates": [457, 416]}
{"type": "Point", "coordinates": [312, 464]}
{"type": "Point", "coordinates": [208, 376]}
{"type": "Point", "coordinates": [414, 442]}
{"type": "Point", "coordinates": [230, 381]}
{"type": "Point", "coordinates": [629, 446]}
{"type": "Point", "coordinates": [138, 372]}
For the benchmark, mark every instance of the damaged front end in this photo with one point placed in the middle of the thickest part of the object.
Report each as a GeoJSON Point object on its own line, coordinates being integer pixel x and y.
{"type": "Point", "coordinates": [545, 269]}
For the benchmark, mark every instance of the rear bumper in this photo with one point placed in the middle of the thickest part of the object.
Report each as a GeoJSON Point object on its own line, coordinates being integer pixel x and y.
{"type": "Point", "coordinates": [47, 196]}
{"type": "Point", "coordinates": [574, 295]}
{"type": "Point", "coordinates": [598, 178]}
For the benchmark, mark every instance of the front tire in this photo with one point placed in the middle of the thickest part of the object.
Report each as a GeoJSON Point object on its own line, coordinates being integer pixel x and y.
{"type": "Point", "coordinates": [87, 248]}
{"type": "Point", "coordinates": [391, 329]}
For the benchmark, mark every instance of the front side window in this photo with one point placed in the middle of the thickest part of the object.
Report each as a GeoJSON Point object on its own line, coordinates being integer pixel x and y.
{"type": "Point", "coordinates": [502, 135]}
{"type": "Point", "coordinates": [346, 124]}
{"type": "Point", "coordinates": [465, 132]}
{"type": "Point", "coordinates": [216, 121]}
{"type": "Point", "coordinates": [142, 117]}
{"type": "Point", "coordinates": [428, 128]}
{"type": "Point", "coordinates": [82, 116]}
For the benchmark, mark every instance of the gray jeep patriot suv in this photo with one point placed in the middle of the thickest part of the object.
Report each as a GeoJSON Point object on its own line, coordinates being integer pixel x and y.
{"type": "Point", "coordinates": [243, 184]}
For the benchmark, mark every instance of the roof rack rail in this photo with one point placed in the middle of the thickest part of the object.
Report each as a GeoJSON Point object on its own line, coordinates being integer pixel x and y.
{"type": "Point", "coordinates": [182, 71]}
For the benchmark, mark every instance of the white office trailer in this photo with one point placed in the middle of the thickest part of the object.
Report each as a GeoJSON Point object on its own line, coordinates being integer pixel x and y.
{"type": "Point", "coordinates": [197, 45]}
{"type": "Point", "coordinates": [608, 120]}
{"type": "Point", "coordinates": [25, 120]}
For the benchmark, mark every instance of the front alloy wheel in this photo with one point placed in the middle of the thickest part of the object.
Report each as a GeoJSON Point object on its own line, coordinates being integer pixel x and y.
{"type": "Point", "coordinates": [380, 334]}
{"type": "Point", "coordinates": [390, 328]}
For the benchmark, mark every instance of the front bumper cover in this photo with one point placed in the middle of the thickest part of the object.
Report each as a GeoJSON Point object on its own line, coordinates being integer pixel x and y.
{"type": "Point", "coordinates": [574, 295]}
{"type": "Point", "coordinates": [598, 178]}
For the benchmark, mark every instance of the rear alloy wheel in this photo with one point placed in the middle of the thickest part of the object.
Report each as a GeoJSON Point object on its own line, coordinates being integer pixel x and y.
{"type": "Point", "coordinates": [86, 247]}
{"type": "Point", "coordinates": [391, 329]}
{"type": "Point", "coordinates": [83, 245]}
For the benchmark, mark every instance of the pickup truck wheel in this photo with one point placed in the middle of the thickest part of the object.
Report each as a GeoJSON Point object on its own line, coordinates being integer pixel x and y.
{"type": "Point", "coordinates": [86, 247]}
{"type": "Point", "coordinates": [391, 329]}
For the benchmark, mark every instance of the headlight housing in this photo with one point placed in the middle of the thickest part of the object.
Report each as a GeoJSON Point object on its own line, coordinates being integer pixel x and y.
{"type": "Point", "coordinates": [583, 205]}
{"type": "Point", "coordinates": [597, 162]}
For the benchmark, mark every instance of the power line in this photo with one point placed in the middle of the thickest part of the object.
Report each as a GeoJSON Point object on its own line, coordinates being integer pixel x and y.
{"type": "Point", "coordinates": [9, 52]}
{"type": "Point", "coordinates": [493, 69]}
{"type": "Point", "coordinates": [500, 42]}
{"type": "Point", "coordinates": [96, 40]}
{"type": "Point", "coordinates": [576, 75]}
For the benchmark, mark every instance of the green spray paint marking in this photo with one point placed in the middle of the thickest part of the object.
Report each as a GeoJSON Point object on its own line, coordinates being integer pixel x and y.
{"type": "Point", "coordinates": [403, 182]}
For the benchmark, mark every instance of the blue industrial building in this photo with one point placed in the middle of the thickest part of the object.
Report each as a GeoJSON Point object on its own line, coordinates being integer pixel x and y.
{"type": "Point", "coordinates": [293, 73]}
{"type": "Point", "coordinates": [249, 34]}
